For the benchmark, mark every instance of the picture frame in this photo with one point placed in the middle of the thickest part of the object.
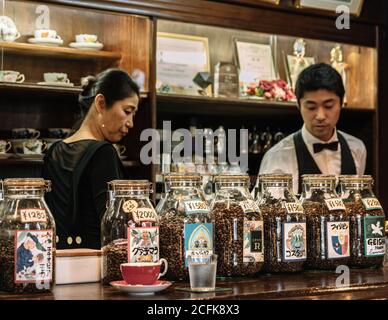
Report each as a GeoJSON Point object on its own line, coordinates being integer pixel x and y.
{"type": "Point", "coordinates": [255, 61]}
{"type": "Point", "coordinates": [355, 6]}
{"type": "Point", "coordinates": [292, 73]}
{"type": "Point", "coordinates": [179, 58]}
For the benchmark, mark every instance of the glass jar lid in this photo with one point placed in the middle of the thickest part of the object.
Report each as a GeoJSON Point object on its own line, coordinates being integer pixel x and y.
{"type": "Point", "coordinates": [182, 177]}
{"type": "Point", "coordinates": [232, 178]}
{"type": "Point", "coordinates": [274, 177]}
{"type": "Point", "coordinates": [122, 185]}
{"type": "Point", "coordinates": [12, 184]}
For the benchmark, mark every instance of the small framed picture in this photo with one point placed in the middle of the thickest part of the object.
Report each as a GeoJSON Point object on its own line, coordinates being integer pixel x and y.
{"type": "Point", "coordinates": [255, 61]}
{"type": "Point", "coordinates": [295, 66]}
{"type": "Point", "coordinates": [355, 6]}
{"type": "Point", "coordinates": [179, 59]}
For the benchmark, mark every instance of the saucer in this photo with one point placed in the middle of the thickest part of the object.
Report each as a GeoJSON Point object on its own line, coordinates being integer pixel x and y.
{"type": "Point", "coordinates": [46, 41]}
{"type": "Point", "coordinates": [5, 155]}
{"type": "Point", "coordinates": [86, 45]}
{"type": "Point", "coordinates": [29, 156]}
{"type": "Point", "coordinates": [57, 84]}
{"type": "Point", "coordinates": [141, 289]}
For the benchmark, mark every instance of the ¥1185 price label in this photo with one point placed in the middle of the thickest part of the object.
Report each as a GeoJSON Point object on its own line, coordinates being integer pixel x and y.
{"type": "Point", "coordinates": [335, 204]}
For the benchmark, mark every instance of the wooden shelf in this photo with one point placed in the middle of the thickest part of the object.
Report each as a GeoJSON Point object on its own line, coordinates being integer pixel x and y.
{"type": "Point", "coordinates": [28, 161]}
{"type": "Point", "coordinates": [62, 52]}
{"type": "Point", "coordinates": [199, 105]}
{"type": "Point", "coordinates": [34, 87]}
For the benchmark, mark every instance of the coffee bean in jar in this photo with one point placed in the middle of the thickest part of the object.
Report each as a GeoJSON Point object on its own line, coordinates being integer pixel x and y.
{"type": "Point", "coordinates": [285, 238]}
{"type": "Point", "coordinates": [27, 238]}
{"type": "Point", "coordinates": [185, 224]}
{"type": "Point", "coordinates": [238, 227]}
{"type": "Point", "coordinates": [328, 223]}
{"type": "Point", "coordinates": [129, 228]}
{"type": "Point", "coordinates": [367, 221]}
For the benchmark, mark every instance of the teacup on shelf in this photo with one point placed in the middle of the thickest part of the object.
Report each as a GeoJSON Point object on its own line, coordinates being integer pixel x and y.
{"type": "Point", "coordinates": [5, 146]}
{"type": "Point", "coordinates": [28, 146]}
{"type": "Point", "coordinates": [8, 30]}
{"type": "Point", "coordinates": [46, 34]}
{"type": "Point", "coordinates": [58, 77]}
{"type": "Point", "coordinates": [86, 38]}
{"type": "Point", "coordinates": [11, 76]}
{"type": "Point", "coordinates": [25, 133]}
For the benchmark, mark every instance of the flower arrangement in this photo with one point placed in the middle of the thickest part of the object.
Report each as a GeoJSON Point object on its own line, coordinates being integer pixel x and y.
{"type": "Point", "coordinates": [277, 90]}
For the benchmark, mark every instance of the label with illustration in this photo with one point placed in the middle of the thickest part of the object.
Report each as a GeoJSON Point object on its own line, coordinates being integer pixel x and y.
{"type": "Point", "coordinates": [335, 204]}
{"type": "Point", "coordinates": [33, 256]}
{"type": "Point", "coordinates": [371, 204]}
{"type": "Point", "coordinates": [33, 215]}
{"type": "Point", "coordinates": [195, 206]}
{"type": "Point", "coordinates": [337, 239]}
{"type": "Point", "coordinates": [249, 206]}
{"type": "Point", "coordinates": [294, 241]}
{"type": "Point", "coordinates": [293, 207]}
{"type": "Point", "coordinates": [253, 241]}
{"type": "Point", "coordinates": [143, 244]}
{"type": "Point", "coordinates": [198, 239]}
{"type": "Point", "coordinates": [374, 236]}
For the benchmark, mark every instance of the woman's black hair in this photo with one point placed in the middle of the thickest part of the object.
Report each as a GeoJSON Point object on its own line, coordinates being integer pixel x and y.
{"type": "Point", "coordinates": [114, 84]}
{"type": "Point", "coordinates": [319, 76]}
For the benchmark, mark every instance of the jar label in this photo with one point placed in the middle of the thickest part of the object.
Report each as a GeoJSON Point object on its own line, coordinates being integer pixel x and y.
{"type": "Point", "coordinates": [195, 206]}
{"type": "Point", "coordinates": [371, 204]}
{"type": "Point", "coordinates": [335, 204]}
{"type": "Point", "coordinates": [249, 206]}
{"type": "Point", "coordinates": [253, 241]}
{"type": "Point", "coordinates": [337, 239]}
{"type": "Point", "coordinates": [198, 239]}
{"type": "Point", "coordinates": [143, 244]}
{"type": "Point", "coordinates": [293, 207]}
{"type": "Point", "coordinates": [129, 206]}
{"type": "Point", "coordinates": [34, 256]}
{"type": "Point", "coordinates": [144, 214]}
{"type": "Point", "coordinates": [294, 241]}
{"type": "Point", "coordinates": [33, 215]}
{"type": "Point", "coordinates": [374, 236]}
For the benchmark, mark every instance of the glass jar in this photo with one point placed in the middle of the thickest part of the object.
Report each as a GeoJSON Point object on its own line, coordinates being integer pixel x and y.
{"type": "Point", "coordinates": [367, 221]}
{"type": "Point", "coordinates": [238, 227]}
{"type": "Point", "coordinates": [27, 237]}
{"type": "Point", "coordinates": [185, 224]}
{"type": "Point", "coordinates": [328, 238]}
{"type": "Point", "coordinates": [129, 228]}
{"type": "Point", "coordinates": [285, 237]}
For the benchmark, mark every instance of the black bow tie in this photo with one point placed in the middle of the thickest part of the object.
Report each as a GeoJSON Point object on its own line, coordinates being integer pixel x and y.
{"type": "Point", "coordinates": [318, 147]}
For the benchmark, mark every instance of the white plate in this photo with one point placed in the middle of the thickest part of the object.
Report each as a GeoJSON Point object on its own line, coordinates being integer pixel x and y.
{"type": "Point", "coordinates": [86, 45]}
{"type": "Point", "coordinates": [46, 41]}
{"type": "Point", "coordinates": [56, 84]}
{"type": "Point", "coordinates": [141, 289]}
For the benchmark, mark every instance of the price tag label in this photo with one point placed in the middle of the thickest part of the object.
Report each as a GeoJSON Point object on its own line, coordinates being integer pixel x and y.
{"type": "Point", "coordinates": [371, 204]}
{"type": "Point", "coordinates": [293, 207]}
{"type": "Point", "coordinates": [335, 204]}
{"type": "Point", "coordinates": [144, 214]}
{"type": "Point", "coordinates": [197, 206]}
{"type": "Point", "coordinates": [33, 215]}
{"type": "Point", "coordinates": [249, 206]}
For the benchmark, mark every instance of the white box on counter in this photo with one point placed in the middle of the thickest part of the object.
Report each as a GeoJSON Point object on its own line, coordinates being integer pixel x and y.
{"type": "Point", "coordinates": [77, 266]}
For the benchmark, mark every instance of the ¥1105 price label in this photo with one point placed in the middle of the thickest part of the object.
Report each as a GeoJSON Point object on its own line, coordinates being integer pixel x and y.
{"type": "Point", "coordinates": [196, 206]}
{"type": "Point", "coordinates": [33, 215]}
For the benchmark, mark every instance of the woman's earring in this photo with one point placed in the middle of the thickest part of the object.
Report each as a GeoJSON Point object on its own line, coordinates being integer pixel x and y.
{"type": "Point", "coordinates": [103, 125]}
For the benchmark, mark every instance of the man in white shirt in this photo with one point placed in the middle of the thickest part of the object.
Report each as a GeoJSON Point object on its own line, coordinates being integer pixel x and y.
{"type": "Point", "coordinates": [318, 147]}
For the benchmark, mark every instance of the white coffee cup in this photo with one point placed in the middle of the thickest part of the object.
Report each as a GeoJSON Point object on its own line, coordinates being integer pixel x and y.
{"type": "Point", "coordinates": [89, 38]}
{"type": "Point", "coordinates": [46, 34]}
{"type": "Point", "coordinates": [11, 76]}
{"type": "Point", "coordinates": [34, 146]}
{"type": "Point", "coordinates": [11, 36]}
{"type": "Point", "coordinates": [56, 77]}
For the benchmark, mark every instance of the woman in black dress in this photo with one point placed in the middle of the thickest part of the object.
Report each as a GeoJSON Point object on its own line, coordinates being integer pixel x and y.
{"type": "Point", "coordinates": [81, 165]}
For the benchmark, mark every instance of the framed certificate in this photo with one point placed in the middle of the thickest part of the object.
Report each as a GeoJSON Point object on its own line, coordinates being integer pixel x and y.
{"type": "Point", "coordinates": [179, 58]}
{"type": "Point", "coordinates": [255, 62]}
{"type": "Point", "coordinates": [354, 6]}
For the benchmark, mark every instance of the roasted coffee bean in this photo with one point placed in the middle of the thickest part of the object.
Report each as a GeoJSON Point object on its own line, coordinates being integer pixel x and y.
{"type": "Point", "coordinates": [317, 215]}
{"type": "Point", "coordinates": [274, 215]}
{"type": "Point", "coordinates": [357, 213]}
{"type": "Point", "coordinates": [7, 272]}
{"type": "Point", "coordinates": [229, 243]}
{"type": "Point", "coordinates": [172, 242]}
{"type": "Point", "coordinates": [113, 255]}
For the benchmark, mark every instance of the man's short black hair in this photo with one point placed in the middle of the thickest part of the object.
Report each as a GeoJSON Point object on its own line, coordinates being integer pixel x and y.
{"type": "Point", "coordinates": [319, 76]}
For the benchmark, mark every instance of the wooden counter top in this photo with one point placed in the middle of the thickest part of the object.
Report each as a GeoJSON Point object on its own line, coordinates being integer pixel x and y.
{"type": "Point", "coordinates": [363, 284]}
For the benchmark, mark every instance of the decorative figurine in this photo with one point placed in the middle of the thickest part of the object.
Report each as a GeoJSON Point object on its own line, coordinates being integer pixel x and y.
{"type": "Point", "coordinates": [336, 60]}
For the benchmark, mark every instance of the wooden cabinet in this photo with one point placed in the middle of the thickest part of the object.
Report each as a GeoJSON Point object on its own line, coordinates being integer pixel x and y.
{"type": "Point", "coordinates": [126, 44]}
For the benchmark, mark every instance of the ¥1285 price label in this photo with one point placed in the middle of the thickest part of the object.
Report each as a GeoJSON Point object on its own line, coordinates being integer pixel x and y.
{"type": "Point", "coordinates": [33, 215]}
{"type": "Point", "coordinates": [196, 206]}
{"type": "Point", "coordinates": [371, 204]}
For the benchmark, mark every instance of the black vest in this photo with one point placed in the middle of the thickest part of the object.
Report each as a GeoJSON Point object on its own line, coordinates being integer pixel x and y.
{"type": "Point", "coordinates": [307, 165]}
